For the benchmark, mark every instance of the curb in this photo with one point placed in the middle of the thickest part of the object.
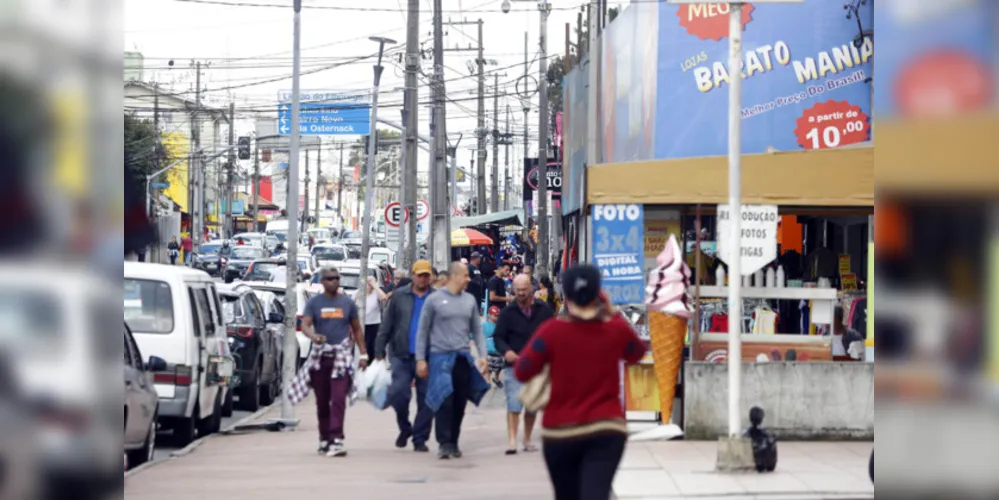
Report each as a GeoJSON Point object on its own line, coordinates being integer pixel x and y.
{"type": "Point", "coordinates": [187, 450]}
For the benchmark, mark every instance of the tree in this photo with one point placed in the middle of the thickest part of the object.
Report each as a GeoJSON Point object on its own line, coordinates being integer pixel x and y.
{"type": "Point", "coordinates": [144, 149]}
{"type": "Point", "coordinates": [387, 139]}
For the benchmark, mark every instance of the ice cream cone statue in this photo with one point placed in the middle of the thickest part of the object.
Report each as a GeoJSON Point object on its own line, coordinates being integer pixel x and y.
{"type": "Point", "coordinates": [668, 310]}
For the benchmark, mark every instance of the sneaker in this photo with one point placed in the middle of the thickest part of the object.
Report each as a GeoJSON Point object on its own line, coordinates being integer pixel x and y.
{"type": "Point", "coordinates": [456, 452]}
{"type": "Point", "coordinates": [324, 447]}
{"type": "Point", "coordinates": [337, 449]}
{"type": "Point", "coordinates": [400, 442]}
{"type": "Point", "coordinates": [444, 453]}
{"type": "Point", "coordinates": [421, 448]}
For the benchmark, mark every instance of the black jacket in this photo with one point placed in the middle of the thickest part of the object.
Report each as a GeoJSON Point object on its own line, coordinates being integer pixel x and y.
{"type": "Point", "coordinates": [393, 333]}
{"type": "Point", "coordinates": [514, 330]}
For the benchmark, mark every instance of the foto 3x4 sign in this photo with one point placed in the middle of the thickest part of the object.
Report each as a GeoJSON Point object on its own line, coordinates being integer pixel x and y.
{"type": "Point", "coordinates": [618, 250]}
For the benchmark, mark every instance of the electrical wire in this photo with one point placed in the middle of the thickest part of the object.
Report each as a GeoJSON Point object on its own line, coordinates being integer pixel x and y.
{"type": "Point", "coordinates": [362, 9]}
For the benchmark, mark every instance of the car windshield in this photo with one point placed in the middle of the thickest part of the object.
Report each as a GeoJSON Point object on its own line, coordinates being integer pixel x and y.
{"type": "Point", "coordinates": [352, 235]}
{"type": "Point", "coordinates": [354, 251]}
{"type": "Point", "coordinates": [379, 258]}
{"type": "Point", "coordinates": [148, 306]}
{"type": "Point", "coordinates": [351, 281]}
{"type": "Point", "coordinates": [262, 271]}
{"type": "Point", "coordinates": [243, 253]}
{"type": "Point", "coordinates": [282, 236]}
{"type": "Point", "coordinates": [330, 253]}
{"type": "Point", "coordinates": [211, 248]}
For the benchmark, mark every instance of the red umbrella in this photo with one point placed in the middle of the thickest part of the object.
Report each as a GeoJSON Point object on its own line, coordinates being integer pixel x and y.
{"type": "Point", "coordinates": [469, 237]}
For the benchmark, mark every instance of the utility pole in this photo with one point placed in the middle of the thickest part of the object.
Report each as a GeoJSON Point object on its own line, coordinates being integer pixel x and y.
{"type": "Point", "coordinates": [506, 161]}
{"type": "Point", "coordinates": [256, 186]}
{"type": "Point", "coordinates": [369, 192]}
{"type": "Point", "coordinates": [319, 181]}
{"type": "Point", "coordinates": [480, 130]}
{"type": "Point", "coordinates": [403, 229]}
{"type": "Point", "coordinates": [305, 206]}
{"type": "Point", "coordinates": [339, 190]}
{"type": "Point", "coordinates": [440, 240]}
{"type": "Point", "coordinates": [291, 278]}
{"type": "Point", "coordinates": [410, 123]}
{"type": "Point", "coordinates": [494, 175]}
{"type": "Point", "coordinates": [194, 167]}
{"type": "Point", "coordinates": [229, 186]}
{"type": "Point", "coordinates": [541, 267]}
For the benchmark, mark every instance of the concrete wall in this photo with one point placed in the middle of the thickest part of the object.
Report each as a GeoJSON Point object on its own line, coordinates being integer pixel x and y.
{"type": "Point", "coordinates": [809, 400]}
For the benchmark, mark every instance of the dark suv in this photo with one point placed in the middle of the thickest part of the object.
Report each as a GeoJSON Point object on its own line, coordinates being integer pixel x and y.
{"type": "Point", "coordinates": [253, 346]}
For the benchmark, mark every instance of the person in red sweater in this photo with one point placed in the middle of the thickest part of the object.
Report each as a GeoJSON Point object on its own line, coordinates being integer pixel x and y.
{"type": "Point", "coordinates": [584, 427]}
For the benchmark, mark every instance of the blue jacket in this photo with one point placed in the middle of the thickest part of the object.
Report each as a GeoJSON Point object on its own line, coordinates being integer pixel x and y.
{"type": "Point", "coordinates": [440, 386]}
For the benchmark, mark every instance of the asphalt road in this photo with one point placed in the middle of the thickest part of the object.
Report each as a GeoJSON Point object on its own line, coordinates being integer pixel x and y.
{"type": "Point", "coordinates": [165, 446]}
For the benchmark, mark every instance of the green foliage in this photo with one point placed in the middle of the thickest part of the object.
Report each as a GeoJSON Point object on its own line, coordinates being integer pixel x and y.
{"type": "Point", "coordinates": [387, 139]}
{"type": "Point", "coordinates": [144, 150]}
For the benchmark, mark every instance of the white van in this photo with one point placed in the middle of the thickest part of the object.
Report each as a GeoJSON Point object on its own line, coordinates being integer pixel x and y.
{"type": "Point", "coordinates": [174, 313]}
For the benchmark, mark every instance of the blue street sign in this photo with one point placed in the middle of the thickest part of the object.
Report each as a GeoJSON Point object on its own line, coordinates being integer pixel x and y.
{"type": "Point", "coordinates": [619, 251]}
{"type": "Point", "coordinates": [159, 185]}
{"type": "Point", "coordinates": [326, 113]}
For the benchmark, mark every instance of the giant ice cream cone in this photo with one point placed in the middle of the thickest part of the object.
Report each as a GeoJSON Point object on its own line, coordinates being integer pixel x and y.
{"type": "Point", "coordinates": [668, 313]}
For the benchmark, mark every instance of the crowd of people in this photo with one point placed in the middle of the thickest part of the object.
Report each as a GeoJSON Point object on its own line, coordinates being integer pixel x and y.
{"type": "Point", "coordinates": [453, 334]}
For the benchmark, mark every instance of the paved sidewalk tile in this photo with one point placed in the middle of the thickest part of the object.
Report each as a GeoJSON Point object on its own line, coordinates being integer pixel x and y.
{"type": "Point", "coordinates": [265, 465]}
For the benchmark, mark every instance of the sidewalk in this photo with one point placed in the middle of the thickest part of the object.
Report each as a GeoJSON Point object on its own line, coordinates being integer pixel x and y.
{"type": "Point", "coordinates": [264, 465]}
{"type": "Point", "coordinates": [685, 469]}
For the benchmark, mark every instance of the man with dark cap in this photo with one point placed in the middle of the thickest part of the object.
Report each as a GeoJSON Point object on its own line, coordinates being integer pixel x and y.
{"type": "Point", "coordinates": [476, 283]}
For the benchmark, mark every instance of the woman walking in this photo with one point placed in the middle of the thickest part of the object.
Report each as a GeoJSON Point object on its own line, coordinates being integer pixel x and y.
{"type": "Point", "coordinates": [372, 311]}
{"type": "Point", "coordinates": [546, 293]}
{"type": "Point", "coordinates": [173, 250]}
{"type": "Point", "coordinates": [584, 428]}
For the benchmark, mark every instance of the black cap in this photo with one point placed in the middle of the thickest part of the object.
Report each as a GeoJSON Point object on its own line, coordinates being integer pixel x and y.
{"type": "Point", "coordinates": [581, 284]}
{"type": "Point", "coordinates": [476, 255]}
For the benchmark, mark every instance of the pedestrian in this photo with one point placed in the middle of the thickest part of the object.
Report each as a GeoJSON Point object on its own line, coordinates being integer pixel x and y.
{"type": "Point", "coordinates": [496, 287]}
{"type": "Point", "coordinates": [584, 430]}
{"type": "Point", "coordinates": [529, 271]}
{"type": "Point", "coordinates": [442, 279]}
{"type": "Point", "coordinates": [444, 359]}
{"type": "Point", "coordinates": [476, 283]}
{"type": "Point", "coordinates": [397, 342]}
{"type": "Point", "coordinates": [188, 245]}
{"type": "Point", "coordinates": [373, 301]}
{"type": "Point", "coordinates": [496, 362]}
{"type": "Point", "coordinates": [173, 250]}
{"type": "Point", "coordinates": [331, 321]}
{"type": "Point", "coordinates": [546, 293]}
{"type": "Point", "coordinates": [514, 329]}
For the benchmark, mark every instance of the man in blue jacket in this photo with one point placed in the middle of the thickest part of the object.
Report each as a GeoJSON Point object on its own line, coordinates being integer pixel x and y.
{"type": "Point", "coordinates": [397, 335]}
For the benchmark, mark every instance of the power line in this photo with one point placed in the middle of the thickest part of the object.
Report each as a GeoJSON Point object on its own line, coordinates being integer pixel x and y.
{"type": "Point", "coordinates": [361, 9]}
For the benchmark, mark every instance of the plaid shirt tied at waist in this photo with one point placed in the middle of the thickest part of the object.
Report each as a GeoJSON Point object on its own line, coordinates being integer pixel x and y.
{"type": "Point", "coordinates": [343, 365]}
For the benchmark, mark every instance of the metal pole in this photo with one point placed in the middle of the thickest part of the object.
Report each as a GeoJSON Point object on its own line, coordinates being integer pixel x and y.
{"type": "Point", "coordinates": [291, 279]}
{"type": "Point", "coordinates": [410, 123]}
{"type": "Point", "coordinates": [494, 175]}
{"type": "Point", "coordinates": [735, 213]}
{"type": "Point", "coordinates": [319, 175]}
{"type": "Point", "coordinates": [541, 267]}
{"type": "Point", "coordinates": [339, 192]}
{"type": "Point", "coordinates": [230, 187]}
{"type": "Point", "coordinates": [439, 215]}
{"type": "Point", "coordinates": [369, 192]}
{"type": "Point", "coordinates": [305, 206]}
{"type": "Point", "coordinates": [194, 165]}
{"type": "Point", "coordinates": [527, 147]}
{"type": "Point", "coordinates": [403, 229]}
{"type": "Point", "coordinates": [480, 181]}
{"type": "Point", "coordinates": [506, 162]}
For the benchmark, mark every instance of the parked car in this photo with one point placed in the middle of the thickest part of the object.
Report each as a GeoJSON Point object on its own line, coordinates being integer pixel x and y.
{"type": "Point", "coordinates": [240, 260]}
{"type": "Point", "coordinates": [322, 236]}
{"type": "Point", "coordinates": [305, 292]}
{"type": "Point", "coordinates": [253, 346]}
{"type": "Point", "coordinates": [328, 255]}
{"type": "Point", "coordinates": [175, 314]}
{"type": "Point", "coordinates": [213, 257]}
{"type": "Point", "coordinates": [141, 402]}
{"type": "Point", "coordinates": [273, 269]}
{"type": "Point", "coordinates": [381, 256]}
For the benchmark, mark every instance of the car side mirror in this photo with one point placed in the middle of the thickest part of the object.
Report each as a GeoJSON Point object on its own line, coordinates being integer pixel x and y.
{"type": "Point", "coordinates": [276, 318]}
{"type": "Point", "coordinates": [156, 364]}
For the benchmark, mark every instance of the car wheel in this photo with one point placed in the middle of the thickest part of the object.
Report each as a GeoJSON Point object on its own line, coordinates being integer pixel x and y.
{"type": "Point", "coordinates": [273, 388]}
{"type": "Point", "coordinates": [872, 467]}
{"type": "Point", "coordinates": [185, 430]}
{"type": "Point", "coordinates": [227, 403]}
{"type": "Point", "coordinates": [249, 393]}
{"type": "Point", "coordinates": [148, 450]}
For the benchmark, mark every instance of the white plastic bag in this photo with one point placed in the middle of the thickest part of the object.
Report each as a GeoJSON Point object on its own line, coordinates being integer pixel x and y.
{"type": "Point", "coordinates": [373, 384]}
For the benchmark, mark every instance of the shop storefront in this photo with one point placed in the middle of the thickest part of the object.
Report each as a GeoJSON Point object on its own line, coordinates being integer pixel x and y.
{"type": "Point", "coordinates": [807, 153]}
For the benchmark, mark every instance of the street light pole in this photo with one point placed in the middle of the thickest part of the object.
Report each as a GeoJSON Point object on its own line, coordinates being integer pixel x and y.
{"type": "Point", "coordinates": [369, 192]}
{"type": "Point", "coordinates": [291, 279]}
{"type": "Point", "coordinates": [735, 211]}
{"type": "Point", "coordinates": [541, 266]}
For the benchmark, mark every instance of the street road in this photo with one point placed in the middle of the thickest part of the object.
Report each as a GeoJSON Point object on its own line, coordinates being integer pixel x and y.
{"type": "Point", "coordinates": [164, 445]}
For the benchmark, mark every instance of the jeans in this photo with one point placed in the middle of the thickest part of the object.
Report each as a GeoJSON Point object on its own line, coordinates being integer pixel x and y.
{"type": "Point", "coordinates": [400, 394]}
{"type": "Point", "coordinates": [331, 400]}
{"type": "Point", "coordinates": [584, 468]}
{"type": "Point", "coordinates": [452, 412]}
{"type": "Point", "coordinates": [370, 334]}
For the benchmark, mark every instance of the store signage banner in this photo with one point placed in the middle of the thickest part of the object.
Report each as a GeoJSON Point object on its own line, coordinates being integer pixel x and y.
{"type": "Point", "coordinates": [757, 246]}
{"type": "Point", "coordinates": [943, 48]}
{"type": "Point", "coordinates": [530, 186]}
{"type": "Point", "coordinates": [574, 129]}
{"type": "Point", "coordinates": [805, 79]}
{"type": "Point", "coordinates": [618, 250]}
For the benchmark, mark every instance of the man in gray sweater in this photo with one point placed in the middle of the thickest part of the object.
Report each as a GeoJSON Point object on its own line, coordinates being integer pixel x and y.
{"type": "Point", "coordinates": [448, 318]}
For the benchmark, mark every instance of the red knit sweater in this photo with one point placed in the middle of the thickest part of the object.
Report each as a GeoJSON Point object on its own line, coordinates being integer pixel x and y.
{"type": "Point", "coordinates": [584, 359]}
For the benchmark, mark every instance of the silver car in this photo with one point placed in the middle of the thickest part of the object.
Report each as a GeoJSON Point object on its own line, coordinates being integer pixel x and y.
{"type": "Point", "coordinates": [141, 403]}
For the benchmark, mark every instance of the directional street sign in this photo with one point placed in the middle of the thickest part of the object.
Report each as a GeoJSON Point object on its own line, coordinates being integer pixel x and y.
{"type": "Point", "coordinates": [326, 113]}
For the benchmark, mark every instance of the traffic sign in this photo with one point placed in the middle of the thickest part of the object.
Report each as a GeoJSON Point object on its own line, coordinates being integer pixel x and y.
{"type": "Point", "coordinates": [326, 113]}
{"type": "Point", "coordinates": [159, 185]}
{"type": "Point", "coordinates": [422, 209]}
{"type": "Point", "coordinates": [396, 214]}
{"type": "Point", "coordinates": [455, 211]}
{"type": "Point", "coordinates": [758, 243]}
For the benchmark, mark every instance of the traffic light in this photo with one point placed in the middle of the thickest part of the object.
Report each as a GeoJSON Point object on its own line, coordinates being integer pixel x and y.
{"type": "Point", "coordinates": [244, 148]}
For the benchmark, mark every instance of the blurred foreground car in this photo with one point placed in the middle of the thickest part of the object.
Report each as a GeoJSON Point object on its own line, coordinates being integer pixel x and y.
{"type": "Point", "coordinates": [175, 313]}
{"type": "Point", "coordinates": [141, 402]}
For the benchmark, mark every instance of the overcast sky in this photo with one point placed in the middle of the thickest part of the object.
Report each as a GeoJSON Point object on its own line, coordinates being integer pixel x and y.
{"type": "Point", "coordinates": [246, 45]}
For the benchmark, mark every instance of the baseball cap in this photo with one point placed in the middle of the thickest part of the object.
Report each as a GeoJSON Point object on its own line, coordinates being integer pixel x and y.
{"type": "Point", "coordinates": [476, 255]}
{"type": "Point", "coordinates": [494, 311]}
{"type": "Point", "coordinates": [581, 284]}
{"type": "Point", "coordinates": [422, 267]}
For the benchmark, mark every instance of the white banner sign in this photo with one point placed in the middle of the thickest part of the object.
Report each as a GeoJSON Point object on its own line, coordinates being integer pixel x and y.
{"type": "Point", "coordinates": [758, 245]}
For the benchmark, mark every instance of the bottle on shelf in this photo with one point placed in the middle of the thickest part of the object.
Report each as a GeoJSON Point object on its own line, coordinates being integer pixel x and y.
{"type": "Point", "coordinates": [758, 279]}
{"type": "Point", "coordinates": [720, 275]}
{"type": "Point", "coordinates": [780, 276]}
{"type": "Point", "coordinates": [771, 277]}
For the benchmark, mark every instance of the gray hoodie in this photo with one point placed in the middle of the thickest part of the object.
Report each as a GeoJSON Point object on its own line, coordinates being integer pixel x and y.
{"type": "Point", "coordinates": [445, 323]}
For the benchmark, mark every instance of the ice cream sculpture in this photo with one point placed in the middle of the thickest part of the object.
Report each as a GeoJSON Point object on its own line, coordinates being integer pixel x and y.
{"type": "Point", "coordinates": [668, 312]}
